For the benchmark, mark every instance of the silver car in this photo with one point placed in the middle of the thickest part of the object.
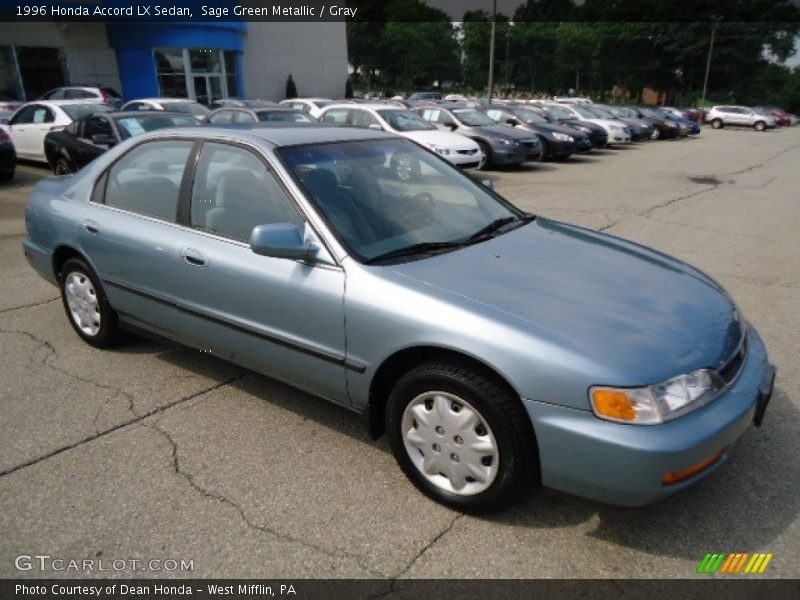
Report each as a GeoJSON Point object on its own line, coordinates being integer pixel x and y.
{"type": "Point", "coordinates": [495, 348]}
{"type": "Point", "coordinates": [741, 116]}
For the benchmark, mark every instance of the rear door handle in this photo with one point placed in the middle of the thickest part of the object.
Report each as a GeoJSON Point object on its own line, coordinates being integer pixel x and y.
{"type": "Point", "coordinates": [193, 257]}
{"type": "Point", "coordinates": [90, 226]}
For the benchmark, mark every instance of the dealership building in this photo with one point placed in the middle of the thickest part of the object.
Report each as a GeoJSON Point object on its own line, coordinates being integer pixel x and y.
{"type": "Point", "coordinates": [202, 61]}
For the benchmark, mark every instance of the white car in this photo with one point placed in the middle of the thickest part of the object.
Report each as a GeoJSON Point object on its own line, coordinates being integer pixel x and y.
{"type": "Point", "coordinates": [103, 94]}
{"type": "Point", "coordinates": [617, 131]}
{"type": "Point", "coordinates": [459, 150]}
{"type": "Point", "coordinates": [181, 105]}
{"type": "Point", "coordinates": [742, 116]}
{"type": "Point", "coordinates": [31, 122]}
{"type": "Point", "coordinates": [312, 106]}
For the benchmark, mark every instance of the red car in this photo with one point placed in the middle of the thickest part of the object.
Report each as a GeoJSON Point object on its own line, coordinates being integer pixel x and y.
{"type": "Point", "coordinates": [782, 117]}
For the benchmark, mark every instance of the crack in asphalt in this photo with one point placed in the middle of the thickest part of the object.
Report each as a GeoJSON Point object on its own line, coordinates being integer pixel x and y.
{"type": "Point", "coordinates": [52, 354]}
{"type": "Point", "coordinates": [105, 432]}
{"type": "Point", "coordinates": [219, 497]}
{"type": "Point", "coordinates": [393, 580]}
{"type": "Point", "coordinates": [21, 306]}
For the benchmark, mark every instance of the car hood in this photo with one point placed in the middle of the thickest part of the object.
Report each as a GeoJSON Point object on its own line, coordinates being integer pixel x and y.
{"type": "Point", "coordinates": [502, 131]}
{"type": "Point", "coordinates": [552, 128]}
{"type": "Point", "coordinates": [634, 312]}
{"type": "Point", "coordinates": [434, 137]}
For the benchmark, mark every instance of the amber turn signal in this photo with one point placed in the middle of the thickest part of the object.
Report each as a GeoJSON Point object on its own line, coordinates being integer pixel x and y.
{"type": "Point", "coordinates": [674, 477]}
{"type": "Point", "coordinates": [614, 404]}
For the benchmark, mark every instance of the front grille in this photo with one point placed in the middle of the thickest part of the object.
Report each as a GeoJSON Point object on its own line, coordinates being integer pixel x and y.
{"type": "Point", "coordinates": [467, 152]}
{"type": "Point", "coordinates": [530, 143]}
{"type": "Point", "coordinates": [469, 165]}
{"type": "Point", "coordinates": [729, 371]}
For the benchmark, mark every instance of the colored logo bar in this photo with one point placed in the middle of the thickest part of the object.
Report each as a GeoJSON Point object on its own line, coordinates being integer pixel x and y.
{"type": "Point", "coordinates": [735, 563]}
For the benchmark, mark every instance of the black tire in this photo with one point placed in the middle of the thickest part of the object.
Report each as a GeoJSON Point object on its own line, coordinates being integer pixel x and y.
{"type": "Point", "coordinates": [545, 150]}
{"type": "Point", "coordinates": [487, 153]}
{"type": "Point", "coordinates": [7, 176]}
{"type": "Point", "coordinates": [717, 124]}
{"type": "Point", "coordinates": [63, 167]}
{"type": "Point", "coordinates": [759, 126]}
{"type": "Point", "coordinates": [405, 167]}
{"type": "Point", "coordinates": [502, 412]}
{"type": "Point", "coordinates": [109, 333]}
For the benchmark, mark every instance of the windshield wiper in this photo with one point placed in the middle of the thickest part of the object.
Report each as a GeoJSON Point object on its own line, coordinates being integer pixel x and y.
{"type": "Point", "coordinates": [420, 248]}
{"type": "Point", "coordinates": [497, 224]}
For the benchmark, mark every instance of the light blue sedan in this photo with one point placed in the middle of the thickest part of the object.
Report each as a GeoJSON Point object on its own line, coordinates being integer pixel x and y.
{"type": "Point", "coordinates": [496, 349]}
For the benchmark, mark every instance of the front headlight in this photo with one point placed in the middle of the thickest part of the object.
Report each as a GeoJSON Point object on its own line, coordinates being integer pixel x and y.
{"type": "Point", "coordinates": [656, 403]}
{"type": "Point", "coordinates": [583, 129]}
{"type": "Point", "coordinates": [563, 137]}
{"type": "Point", "coordinates": [441, 150]}
{"type": "Point", "coordinates": [507, 141]}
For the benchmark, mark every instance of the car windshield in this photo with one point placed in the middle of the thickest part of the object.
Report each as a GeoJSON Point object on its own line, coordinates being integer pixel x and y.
{"type": "Point", "coordinates": [139, 124]}
{"type": "Point", "coordinates": [558, 113]}
{"type": "Point", "coordinates": [292, 116]}
{"type": "Point", "coordinates": [527, 115]}
{"type": "Point", "coordinates": [584, 112]}
{"type": "Point", "coordinates": [76, 111]}
{"type": "Point", "coordinates": [473, 118]}
{"type": "Point", "coordinates": [648, 113]}
{"type": "Point", "coordinates": [191, 108]}
{"type": "Point", "coordinates": [405, 120]}
{"type": "Point", "coordinates": [389, 198]}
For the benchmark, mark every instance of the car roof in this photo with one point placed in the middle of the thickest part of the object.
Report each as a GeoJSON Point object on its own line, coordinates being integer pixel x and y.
{"type": "Point", "coordinates": [372, 106]}
{"type": "Point", "coordinates": [64, 102]}
{"type": "Point", "coordinates": [162, 100]}
{"type": "Point", "coordinates": [289, 136]}
{"type": "Point", "coordinates": [142, 113]}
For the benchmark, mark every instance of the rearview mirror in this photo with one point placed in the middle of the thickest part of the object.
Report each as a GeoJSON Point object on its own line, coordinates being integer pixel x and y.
{"type": "Point", "coordinates": [281, 240]}
{"type": "Point", "coordinates": [103, 139]}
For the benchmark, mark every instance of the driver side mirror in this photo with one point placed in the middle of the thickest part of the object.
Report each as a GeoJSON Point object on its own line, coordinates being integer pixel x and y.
{"type": "Point", "coordinates": [512, 121]}
{"type": "Point", "coordinates": [452, 126]}
{"type": "Point", "coordinates": [103, 139]}
{"type": "Point", "coordinates": [375, 126]}
{"type": "Point", "coordinates": [281, 240]}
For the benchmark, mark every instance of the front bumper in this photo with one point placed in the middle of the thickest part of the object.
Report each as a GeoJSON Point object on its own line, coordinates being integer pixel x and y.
{"type": "Point", "coordinates": [504, 154]}
{"type": "Point", "coordinates": [559, 149]}
{"type": "Point", "coordinates": [619, 137]}
{"type": "Point", "coordinates": [466, 159]}
{"type": "Point", "coordinates": [623, 464]}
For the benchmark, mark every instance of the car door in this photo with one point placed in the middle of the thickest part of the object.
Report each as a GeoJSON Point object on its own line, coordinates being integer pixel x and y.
{"type": "Point", "coordinates": [28, 128]}
{"type": "Point", "coordinates": [129, 233]}
{"type": "Point", "coordinates": [85, 150]}
{"type": "Point", "coordinates": [282, 317]}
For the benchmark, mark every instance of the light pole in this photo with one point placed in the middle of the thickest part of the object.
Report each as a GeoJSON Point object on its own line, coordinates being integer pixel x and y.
{"type": "Point", "coordinates": [714, 24]}
{"type": "Point", "coordinates": [491, 52]}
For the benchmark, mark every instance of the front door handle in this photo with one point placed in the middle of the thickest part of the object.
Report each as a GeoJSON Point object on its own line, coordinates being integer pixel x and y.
{"type": "Point", "coordinates": [193, 257]}
{"type": "Point", "coordinates": [90, 226]}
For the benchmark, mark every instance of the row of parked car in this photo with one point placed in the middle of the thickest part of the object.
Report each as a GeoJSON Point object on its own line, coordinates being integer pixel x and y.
{"type": "Point", "coordinates": [70, 127]}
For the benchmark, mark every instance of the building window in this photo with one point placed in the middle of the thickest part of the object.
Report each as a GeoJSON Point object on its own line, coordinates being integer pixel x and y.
{"type": "Point", "coordinates": [171, 72]}
{"type": "Point", "coordinates": [28, 72]}
{"type": "Point", "coordinates": [201, 74]}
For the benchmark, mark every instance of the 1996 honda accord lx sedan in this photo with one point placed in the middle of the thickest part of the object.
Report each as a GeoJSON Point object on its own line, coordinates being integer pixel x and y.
{"type": "Point", "coordinates": [496, 349]}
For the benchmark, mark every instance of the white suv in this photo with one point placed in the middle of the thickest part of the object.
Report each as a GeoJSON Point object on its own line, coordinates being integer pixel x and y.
{"type": "Point", "coordinates": [720, 116]}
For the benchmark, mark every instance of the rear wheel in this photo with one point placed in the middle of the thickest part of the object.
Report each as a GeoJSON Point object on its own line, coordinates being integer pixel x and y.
{"type": "Point", "coordinates": [760, 126]}
{"type": "Point", "coordinates": [86, 305]}
{"type": "Point", "coordinates": [717, 123]}
{"type": "Point", "coordinates": [460, 436]}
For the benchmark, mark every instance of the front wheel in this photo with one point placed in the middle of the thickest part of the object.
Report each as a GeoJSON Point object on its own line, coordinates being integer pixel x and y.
{"type": "Point", "coordinates": [86, 305]}
{"type": "Point", "coordinates": [460, 436]}
{"type": "Point", "coordinates": [760, 126]}
{"type": "Point", "coordinates": [63, 167]}
{"type": "Point", "coordinates": [717, 123]}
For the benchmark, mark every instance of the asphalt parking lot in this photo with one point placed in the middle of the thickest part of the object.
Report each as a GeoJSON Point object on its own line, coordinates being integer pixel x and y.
{"type": "Point", "coordinates": [158, 452]}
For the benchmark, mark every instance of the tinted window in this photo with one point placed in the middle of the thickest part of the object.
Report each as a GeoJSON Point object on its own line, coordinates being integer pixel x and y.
{"type": "Point", "coordinates": [75, 94]}
{"type": "Point", "coordinates": [361, 118]}
{"type": "Point", "coordinates": [146, 180]}
{"type": "Point", "coordinates": [234, 192]}
{"type": "Point", "coordinates": [54, 95]}
{"type": "Point", "coordinates": [192, 108]}
{"type": "Point", "coordinates": [42, 114]}
{"type": "Point", "coordinates": [97, 126]}
{"type": "Point", "coordinates": [405, 120]}
{"type": "Point", "coordinates": [285, 116]}
{"type": "Point", "coordinates": [24, 115]}
{"type": "Point", "coordinates": [76, 111]}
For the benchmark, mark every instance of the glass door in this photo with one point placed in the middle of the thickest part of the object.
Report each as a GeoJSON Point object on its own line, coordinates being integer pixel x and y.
{"type": "Point", "coordinates": [207, 88]}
